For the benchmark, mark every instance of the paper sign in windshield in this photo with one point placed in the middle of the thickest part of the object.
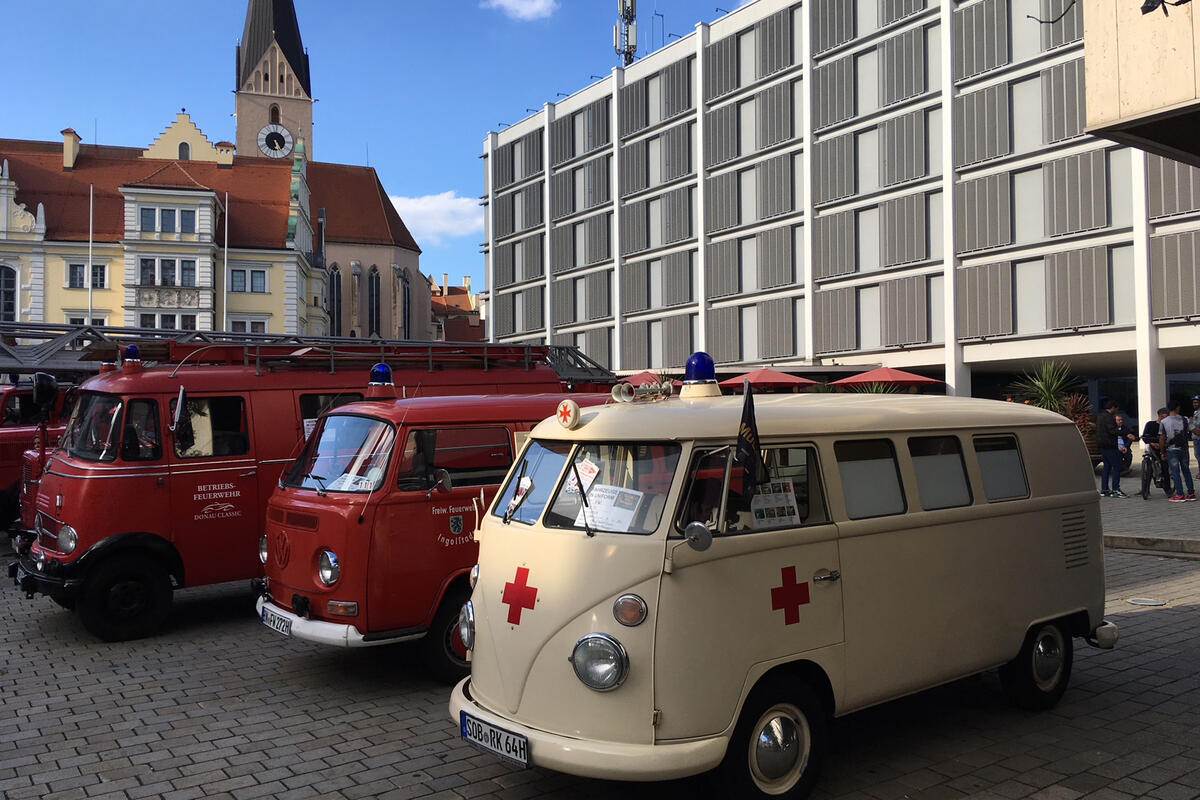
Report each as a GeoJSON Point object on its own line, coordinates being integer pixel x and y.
{"type": "Point", "coordinates": [609, 508]}
{"type": "Point", "coordinates": [774, 505]}
{"type": "Point", "coordinates": [587, 470]}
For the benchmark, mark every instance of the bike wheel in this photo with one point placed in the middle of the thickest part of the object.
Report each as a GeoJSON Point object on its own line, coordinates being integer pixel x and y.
{"type": "Point", "coordinates": [1147, 478]}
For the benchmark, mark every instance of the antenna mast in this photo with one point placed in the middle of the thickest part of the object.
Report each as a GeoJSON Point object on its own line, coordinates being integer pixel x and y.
{"type": "Point", "coordinates": [625, 33]}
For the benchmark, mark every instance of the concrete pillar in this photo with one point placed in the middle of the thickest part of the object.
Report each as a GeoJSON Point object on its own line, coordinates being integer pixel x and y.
{"type": "Point", "coordinates": [1151, 366]}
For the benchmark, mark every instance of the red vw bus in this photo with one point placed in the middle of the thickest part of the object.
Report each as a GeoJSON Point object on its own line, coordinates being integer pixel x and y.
{"type": "Point", "coordinates": [146, 494]}
{"type": "Point", "coordinates": [370, 537]}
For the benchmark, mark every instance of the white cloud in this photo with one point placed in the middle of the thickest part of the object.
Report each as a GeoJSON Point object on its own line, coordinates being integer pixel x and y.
{"type": "Point", "coordinates": [435, 217]}
{"type": "Point", "coordinates": [523, 9]}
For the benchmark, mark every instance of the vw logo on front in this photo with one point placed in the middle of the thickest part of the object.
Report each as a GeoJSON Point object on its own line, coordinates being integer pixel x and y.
{"type": "Point", "coordinates": [283, 549]}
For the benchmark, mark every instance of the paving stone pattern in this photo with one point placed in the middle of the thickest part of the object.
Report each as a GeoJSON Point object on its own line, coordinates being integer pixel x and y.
{"type": "Point", "coordinates": [218, 706]}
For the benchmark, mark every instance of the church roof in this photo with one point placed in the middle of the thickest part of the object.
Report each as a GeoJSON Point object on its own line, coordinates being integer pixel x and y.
{"type": "Point", "coordinates": [356, 206]}
{"type": "Point", "coordinates": [272, 21]}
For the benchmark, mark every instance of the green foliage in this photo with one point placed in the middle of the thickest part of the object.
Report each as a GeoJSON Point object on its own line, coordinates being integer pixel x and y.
{"type": "Point", "coordinates": [1049, 387]}
{"type": "Point", "coordinates": [877, 388]}
{"type": "Point", "coordinates": [1078, 409]}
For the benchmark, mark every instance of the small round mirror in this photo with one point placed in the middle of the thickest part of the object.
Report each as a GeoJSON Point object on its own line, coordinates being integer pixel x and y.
{"type": "Point", "coordinates": [443, 484]}
{"type": "Point", "coordinates": [698, 536]}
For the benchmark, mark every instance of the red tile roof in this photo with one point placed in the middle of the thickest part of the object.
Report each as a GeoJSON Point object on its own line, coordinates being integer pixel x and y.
{"type": "Point", "coordinates": [460, 329]}
{"type": "Point", "coordinates": [357, 208]}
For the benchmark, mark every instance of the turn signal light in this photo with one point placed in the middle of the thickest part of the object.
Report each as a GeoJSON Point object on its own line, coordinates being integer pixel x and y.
{"type": "Point", "coordinates": [629, 610]}
{"type": "Point", "coordinates": [341, 608]}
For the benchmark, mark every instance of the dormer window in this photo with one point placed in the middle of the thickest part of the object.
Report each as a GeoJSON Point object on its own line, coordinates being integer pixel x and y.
{"type": "Point", "coordinates": [185, 151]}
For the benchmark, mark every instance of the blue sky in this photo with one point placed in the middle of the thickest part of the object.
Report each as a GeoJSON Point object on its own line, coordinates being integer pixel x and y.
{"type": "Point", "coordinates": [417, 85]}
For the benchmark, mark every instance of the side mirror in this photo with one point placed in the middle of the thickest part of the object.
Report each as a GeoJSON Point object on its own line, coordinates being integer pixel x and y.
{"type": "Point", "coordinates": [698, 536]}
{"type": "Point", "coordinates": [45, 390]}
{"type": "Point", "coordinates": [441, 482]}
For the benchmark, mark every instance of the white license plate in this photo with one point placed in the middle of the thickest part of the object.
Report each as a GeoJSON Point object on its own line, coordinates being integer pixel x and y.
{"type": "Point", "coordinates": [276, 622]}
{"type": "Point", "coordinates": [510, 746]}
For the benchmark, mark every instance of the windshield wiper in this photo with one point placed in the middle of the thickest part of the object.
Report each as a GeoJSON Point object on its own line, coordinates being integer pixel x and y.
{"type": "Point", "coordinates": [320, 482]}
{"type": "Point", "coordinates": [518, 497]}
{"type": "Point", "coordinates": [583, 497]}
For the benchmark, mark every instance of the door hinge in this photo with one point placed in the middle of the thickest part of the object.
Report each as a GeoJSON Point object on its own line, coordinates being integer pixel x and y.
{"type": "Point", "coordinates": [655, 716]}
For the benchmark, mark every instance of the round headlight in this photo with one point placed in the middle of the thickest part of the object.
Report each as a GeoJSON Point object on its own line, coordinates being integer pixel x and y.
{"type": "Point", "coordinates": [466, 625]}
{"type": "Point", "coordinates": [262, 548]}
{"type": "Point", "coordinates": [328, 569]}
{"type": "Point", "coordinates": [68, 539]}
{"type": "Point", "coordinates": [474, 575]}
{"type": "Point", "coordinates": [600, 662]}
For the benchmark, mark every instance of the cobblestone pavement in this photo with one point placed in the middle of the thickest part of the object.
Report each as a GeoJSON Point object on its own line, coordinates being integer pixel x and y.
{"type": "Point", "coordinates": [219, 706]}
{"type": "Point", "coordinates": [1154, 524]}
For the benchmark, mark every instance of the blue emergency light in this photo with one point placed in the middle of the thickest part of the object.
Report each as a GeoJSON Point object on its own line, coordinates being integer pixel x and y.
{"type": "Point", "coordinates": [699, 369]}
{"type": "Point", "coordinates": [132, 353]}
{"type": "Point", "coordinates": [381, 375]}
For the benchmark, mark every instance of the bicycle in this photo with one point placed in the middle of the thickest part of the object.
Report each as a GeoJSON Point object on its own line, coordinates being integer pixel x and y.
{"type": "Point", "coordinates": [1154, 471]}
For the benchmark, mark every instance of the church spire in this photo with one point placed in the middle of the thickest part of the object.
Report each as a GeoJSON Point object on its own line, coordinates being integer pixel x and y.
{"type": "Point", "coordinates": [270, 21]}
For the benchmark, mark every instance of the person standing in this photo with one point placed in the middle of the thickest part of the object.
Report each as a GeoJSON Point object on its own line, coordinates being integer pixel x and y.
{"type": "Point", "coordinates": [1173, 437]}
{"type": "Point", "coordinates": [1196, 431]}
{"type": "Point", "coordinates": [1107, 437]}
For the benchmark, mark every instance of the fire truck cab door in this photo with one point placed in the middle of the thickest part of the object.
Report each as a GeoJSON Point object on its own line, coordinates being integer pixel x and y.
{"type": "Point", "coordinates": [214, 490]}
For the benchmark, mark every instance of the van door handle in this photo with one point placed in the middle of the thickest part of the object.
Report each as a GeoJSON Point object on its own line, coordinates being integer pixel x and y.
{"type": "Point", "coordinates": [249, 474]}
{"type": "Point", "coordinates": [827, 575]}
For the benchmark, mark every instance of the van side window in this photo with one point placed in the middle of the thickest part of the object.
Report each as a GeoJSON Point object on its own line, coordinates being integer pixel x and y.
{"type": "Point", "coordinates": [870, 478]}
{"type": "Point", "coordinates": [218, 427]}
{"type": "Point", "coordinates": [702, 495]}
{"type": "Point", "coordinates": [140, 440]}
{"type": "Point", "coordinates": [472, 456]}
{"type": "Point", "coordinates": [941, 473]}
{"type": "Point", "coordinates": [1001, 467]}
{"type": "Point", "coordinates": [791, 497]}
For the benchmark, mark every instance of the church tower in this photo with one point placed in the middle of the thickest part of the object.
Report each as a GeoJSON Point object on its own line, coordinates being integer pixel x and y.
{"type": "Point", "coordinates": [274, 92]}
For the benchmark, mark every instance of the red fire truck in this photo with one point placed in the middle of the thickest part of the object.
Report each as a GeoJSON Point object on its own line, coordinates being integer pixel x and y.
{"type": "Point", "coordinates": [370, 536]}
{"type": "Point", "coordinates": [160, 479]}
{"type": "Point", "coordinates": [21, 419]}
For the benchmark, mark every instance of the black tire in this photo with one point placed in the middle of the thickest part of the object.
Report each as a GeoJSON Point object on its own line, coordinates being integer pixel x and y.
{"type": "Point", "coordinates": [125, 597]}
{"type": "Point", "coordinates": [442, 648]}
{"type": "Point", "coordinates": [1038, 676]}
{"type": "Point", "coordinates": [1147, 478]}
{"type": "Point", "coordinates": [780, 711]}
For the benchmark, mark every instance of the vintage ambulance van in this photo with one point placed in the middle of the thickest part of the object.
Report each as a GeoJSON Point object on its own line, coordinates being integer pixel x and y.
{"type": "Point", "coordinates": [646, 607]}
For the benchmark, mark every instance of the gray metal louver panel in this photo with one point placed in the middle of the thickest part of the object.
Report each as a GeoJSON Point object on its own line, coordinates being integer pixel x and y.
{"type": "Point", "coordinates": [1077, 289]}
{"type": "Point", "coordinates": [533, 257]}
{"type": "Point", "coordinates": [531, 205]}
{"type": "Point", "coordinates": [725, 334]}
{"type": "Point", "coordinates": [773, 39]}
{"type": "Point", "coordinates": [902, 229]}
{"type": "Point", "coordinates": [505, 313]}
{"type": "Point", "coordinates": [774, 250]}
{"type": "Point", "coordinates": [677, 340]}
{"type": "Point", "coordinates": [1174, 187]}
{"type": "Point", "coordinates": [597, 295]}
{"type": "Point", "coordinates": [599, 240]}
{"type": "Point", "coordinates": [633, 107]}
{"type": "Point", "coordinates": [835, 320]}
{"type": "Point", "coordinates": [562, 194]}
{"type": "Point", "coordinates": [635, 345]}
{"type": "Point", "coordinates": [1076, 190]}
{"type": "Point", "coordinates": [721, 202]}
{"type": "Point", "coordinates": [774, 178]}
{"type": "Point", "coordinates": [835, 245]}
{"type": "Point", "coordinates": [1063, 113]}
{"type": "Point", "coordinates": [720, 68]}
{"type": "Point", "coordinates": [562, 248]}
{"type": "Point", "coordinates": [562, 140]}
{"type": "Point", "coordinates": [504, 220]}
{"type": "Point", "coordinates": [983, 213]}
{"type": "Point", "coordinates": [635, 174]}
{"type": "Point", "coordinates": [985, 295]}
{"type": "Point", "coordinates": [534, 299]}
{"type": "Point", "coordinates": [677, 87]}
{"type": "Point", "coordinates": [981, 38]}
{"type": "Point", "coordinates": [599, 124]}
{"type": "Point", "coordinates": [677, 215]}
{"type": "Point", "coordinates": [635, 287]}
{"type": "Point", "coordinates": [597, 344]}
{"type": "Point", "coordinates": [504, 265]}
{"type": "Point", "coordinates": [635, 227]}
{"type": "Point", "coordinates": [833, 23]}
{"type": "Point", "coordinates": [834, 168]}
{"type": "Point", "coordinates": [904, 311]}
{"type": "Point", "coordinates": [1066, 28]}
{"type": "Point", "coordinates": [773, 115]}
{"type": "Point", "coordinates": [562, 294]}
{"type": "Point", "coordinates": [598, 172]}
{"type": "Point", "coordinates": [902, 66]}
{"type": "Point", "coordinates": [902, 149]}
{"type": "Point", "coordinates": [833, 92]}
{"type": "Point", "coordinates": [893, 10]}
{"type": "Point", "coordinates": [677, 278]}
{"type": "Point", "coordinates": [981, 125]}
{"type": "Point", "coordinates": [1175, 275]}
{"type": "Point", "coordinates": [1075, 538]}
{"type": "Point", "coordinates": [502, 166]}
{"type": "Point", "coordinates": [563, 339]}
{"type": "Point", "coordinates": [723, 268]}
{"type": "Point", "coordinates": [777, 328]}
{"type": "Point", "coordinates": [721, 135]}
{"type": "Point", "coordinates": [677, 151]}
{"type": "Point", "coordinates": [531, 154]}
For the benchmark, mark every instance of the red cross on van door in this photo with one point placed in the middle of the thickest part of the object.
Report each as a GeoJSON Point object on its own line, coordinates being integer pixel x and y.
{"type": "Point", "coordinates": [519, 595]}
{"type": "Point", "coordinates": [790, 596]}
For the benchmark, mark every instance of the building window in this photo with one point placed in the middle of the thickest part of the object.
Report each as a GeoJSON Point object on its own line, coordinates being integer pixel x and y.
{"type": "Point", "coordinates": [187, 273]}
{"type": "Point", "coordinates": [274, 114]}
{"type": "Point", "coordinates": [148, 220]}
{"type": "Point", "coordinates": [75, 276]}
{"type": "Point", "coordinates": [166, 220]}
{"type": "Point", "coordinates": [258, 280]}
{"type": "Point", "coordinates": [166, 272]}
{"type": "Point", "coordinates": [187, 322]}
{"type": "Point", "coordinates": [248, 326]}
{"type": "Point", "coordinates": [185, 151]}
{"type": "Point", "coordinates": [373, 302]}
{"type": "Point", "coordinates": [8, 294]}
{"type": "Point", "coordinates": [81, 319]}
{"type": "Point", "coordinates": [166, 322]}
{"type": "Point", "coordinates": [237, 281]}
{"type": "Point", "coordinates": [406, 306]}
{"type": "Point", "coordinates": [99, 276]}
{"type": "Point", "coordinates": [147, 272]}
{"type": "Point", "coordinates": [187, 221]}
{"type": "Point", "coordinates": [160, 272]}
{"type": "Point", "coordinates": [335, 301]}
{"type": "Point", "coordinates": [146, 320]}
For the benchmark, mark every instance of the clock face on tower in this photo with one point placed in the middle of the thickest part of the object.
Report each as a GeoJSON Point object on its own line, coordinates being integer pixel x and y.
{"type": "Point", "coordinates": [275, 141]}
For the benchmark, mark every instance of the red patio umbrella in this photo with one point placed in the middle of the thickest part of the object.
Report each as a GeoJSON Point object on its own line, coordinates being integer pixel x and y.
{"type": "Point", "coordinates": [896, 377]}
{"type": "Point", "coordinates": [767, 379]}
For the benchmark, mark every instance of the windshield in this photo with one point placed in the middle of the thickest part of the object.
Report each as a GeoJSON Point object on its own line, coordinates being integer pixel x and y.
{"type": "Point", "coordinates": [345, 454]}
{"type": "Point", "coordinates": [624, 488]}
{"type": "Point", "coordinates": [94, 432]}
{"type": "Point", "coordinates": [536, 476]}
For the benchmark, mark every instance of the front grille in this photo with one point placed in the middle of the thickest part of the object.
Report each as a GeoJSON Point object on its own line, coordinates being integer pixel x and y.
{"type": "Point", "coordinates": [47, 530]}
{"type": "Point", "coordinates": [305, 521]}
{"type": "Point", "coordinates": [1075, 538]}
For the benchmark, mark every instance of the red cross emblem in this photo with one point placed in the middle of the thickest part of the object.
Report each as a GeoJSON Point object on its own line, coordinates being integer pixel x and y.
{"type": "Point", "coordinates": [789, 597]}
{"type": "Point", "coordinates": [568, 414]}
{"type": "Point", "coordinates": [518, 594]}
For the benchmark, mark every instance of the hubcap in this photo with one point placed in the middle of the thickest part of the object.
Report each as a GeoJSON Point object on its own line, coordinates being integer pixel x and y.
{"type": "Point", "coordinates": [779, 748]}
{"type": "Point", "coordinates": [1047, 658]}
{"type": "Point", "coordinates": [127, 598]}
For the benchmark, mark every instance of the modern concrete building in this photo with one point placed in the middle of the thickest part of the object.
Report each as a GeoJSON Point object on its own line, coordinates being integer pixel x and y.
{"type": "Point", "coordinates": [850, 182]}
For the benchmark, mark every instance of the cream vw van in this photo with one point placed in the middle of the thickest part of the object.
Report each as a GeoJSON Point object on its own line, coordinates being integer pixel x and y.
{"type": "Point", "coordinates": [640, 611]}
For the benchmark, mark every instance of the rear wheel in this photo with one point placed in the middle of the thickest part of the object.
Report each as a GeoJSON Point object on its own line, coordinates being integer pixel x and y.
{"type": "Point", "coordinates": [442, 649]}
{"type": "Point", "coordinates": [1038, 676]}
{"type": "Point", "coordinates": [125, 597]}
{"type": "Point", "coordinates": [1147, 478]}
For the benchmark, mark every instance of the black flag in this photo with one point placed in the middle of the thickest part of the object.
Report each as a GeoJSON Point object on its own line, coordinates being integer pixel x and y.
{"type": "Point", "coordinates": [748, 453]}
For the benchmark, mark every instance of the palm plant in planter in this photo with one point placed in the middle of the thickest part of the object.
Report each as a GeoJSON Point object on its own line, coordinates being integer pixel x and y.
{"type": "Point", "coordinates": [1053, 387]}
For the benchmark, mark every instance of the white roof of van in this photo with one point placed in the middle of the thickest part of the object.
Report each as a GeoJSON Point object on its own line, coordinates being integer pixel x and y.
{"type": "Point", "coordinates": [791, 414]}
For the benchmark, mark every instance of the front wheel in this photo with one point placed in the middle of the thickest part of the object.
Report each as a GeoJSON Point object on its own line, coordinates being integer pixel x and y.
{"type": "Point", "coordinates": [1038, 676]}
{"type": "Point", "coordinates": [1147, 478]}
{"type": "Point", "coordinates": [125, 597]}
{"type": "Point", "coordinates": [779, 743]}
{"type": "Point", "coordinates": [442, 649]}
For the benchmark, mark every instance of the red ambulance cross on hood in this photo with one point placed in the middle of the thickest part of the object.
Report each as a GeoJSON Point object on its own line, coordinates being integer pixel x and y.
{"type": "Point", "coordinates": [518, 594]}
{"type": "Point", "coordinates": [789, 597]}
